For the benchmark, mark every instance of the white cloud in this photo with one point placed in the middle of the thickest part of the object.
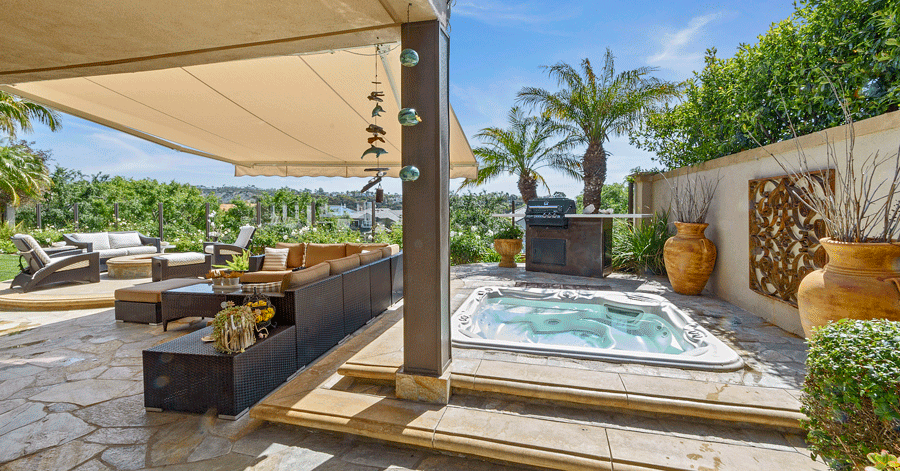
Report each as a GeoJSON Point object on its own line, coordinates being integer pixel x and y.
{"type": "Point", "coordinates": [681, 49]}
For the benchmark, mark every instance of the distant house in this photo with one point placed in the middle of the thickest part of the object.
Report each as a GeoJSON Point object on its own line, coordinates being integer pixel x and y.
{"type": "Point", "coordinates": [362, 220]}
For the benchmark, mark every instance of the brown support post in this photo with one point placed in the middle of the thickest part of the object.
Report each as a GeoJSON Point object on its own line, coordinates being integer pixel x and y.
{"type": "Point", "coordinates": [37, 215]}
{"type": "Point", "coordinates": [160, 221]}
{"type": "Point", "coordinates": [426, 210]}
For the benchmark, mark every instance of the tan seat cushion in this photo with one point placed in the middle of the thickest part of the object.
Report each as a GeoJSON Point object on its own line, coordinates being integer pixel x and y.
{"type": "Point", "coordinates": [264, 276]}
{"type": "Point", "coordinates": [152, 292]}
{"type": "Point", "coordinates": [366, 258]}
{"type": "Point", "coordinates": [295, 254]}
{"type": "Point", "coordinates": [306, 276]}
{"type": "Point", "coordinates": [341, 265]}
{"type": "Point", "coordinates": [353, 247]}
{"type": "Point", "coordinates": [275, 260]}
{"type": "Point", "coordinates": [318, 253]}
{"type": "Point", "coordinates": [394, 248]}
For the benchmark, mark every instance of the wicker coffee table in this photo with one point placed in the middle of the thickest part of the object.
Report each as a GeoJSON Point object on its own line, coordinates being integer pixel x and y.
{"type": "Point", "coordinates": [200, 300]}
{"type": "Point", "coordinates": [189, 375]}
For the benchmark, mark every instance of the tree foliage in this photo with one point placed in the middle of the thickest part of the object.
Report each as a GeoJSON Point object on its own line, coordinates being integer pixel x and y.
{"type": "Point", "coordinates": [781, 80]}
{"type": "Point", "coordinates": [522, 150]}
{"type": "Point", "coordinates": [16, 114]}
{"type": "Point", "coordinates": [592, 106]}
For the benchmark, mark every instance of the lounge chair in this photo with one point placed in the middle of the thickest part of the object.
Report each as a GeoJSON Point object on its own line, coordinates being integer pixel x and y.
{"type": "Point", "coordinates": [222, 253]}
{"type": "Point", "coordinates": [43, 269]}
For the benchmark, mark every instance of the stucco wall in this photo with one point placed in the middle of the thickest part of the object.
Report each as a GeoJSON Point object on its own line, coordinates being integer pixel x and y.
{"type": "Point", "coordinates": [729, 214]}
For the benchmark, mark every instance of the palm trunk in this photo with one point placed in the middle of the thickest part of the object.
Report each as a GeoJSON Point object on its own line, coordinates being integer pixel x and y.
{"type": "Point", "coordinates": [594, 164]}
{"type": "Point", "coordinates": [527, 187]}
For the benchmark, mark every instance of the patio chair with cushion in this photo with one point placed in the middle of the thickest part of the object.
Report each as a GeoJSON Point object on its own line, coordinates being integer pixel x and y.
{"type": "Point", "coordinates": [42, 269]}
{"type": "Point", "coordinates": [222, 253]}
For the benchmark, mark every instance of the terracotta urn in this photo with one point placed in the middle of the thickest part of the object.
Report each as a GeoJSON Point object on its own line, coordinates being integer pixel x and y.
{"type": "Point", "coordinates": [860, 281]}
{"type": "Point", "coordinates": [689, 258]}
{"type": "Point", "coordinates": [508, 249]}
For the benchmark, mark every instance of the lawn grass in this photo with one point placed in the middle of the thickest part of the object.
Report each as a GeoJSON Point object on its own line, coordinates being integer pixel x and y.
{"type": "Point", "coordinates": [9, 266]}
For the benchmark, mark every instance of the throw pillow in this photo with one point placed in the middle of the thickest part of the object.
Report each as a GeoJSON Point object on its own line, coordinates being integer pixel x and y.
{"type": "Point", "coordinates": [124, 241]}
{"type": "Point", "coordinates": [276, 259]}
{"type": "Point", "coordinates": [367, 257]}
{"type": "Point", "coordinates": [295, 255]}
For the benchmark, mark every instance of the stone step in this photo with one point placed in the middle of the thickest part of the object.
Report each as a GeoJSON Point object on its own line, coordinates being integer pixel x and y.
{"type": "Point", "coordinates": [526, 438]}
{"type": "Point", "coordinates": [770, 407]}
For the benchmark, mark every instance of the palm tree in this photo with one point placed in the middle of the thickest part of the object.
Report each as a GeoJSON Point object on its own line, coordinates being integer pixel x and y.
{"type": "Point", "coordinates": [588, 109]}
{"type": "Point", "coordinates": [23, 173]}
{"type": "Point", "coordinates": [17, 114]}
{"type": "Point", "coordinates": [521, 150]}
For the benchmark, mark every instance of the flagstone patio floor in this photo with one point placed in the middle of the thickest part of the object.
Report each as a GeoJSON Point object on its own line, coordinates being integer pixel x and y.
{"type": "Point", "coordinates": [71, 392]}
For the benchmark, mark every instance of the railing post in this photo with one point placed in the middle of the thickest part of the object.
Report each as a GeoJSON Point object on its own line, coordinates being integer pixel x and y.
{"type": "Point", "coordinates": [312, 213]}
{"type": "Point", "coordinates": [160, 221]}
{"type": "Point", "coordinates": [116, 214]}
{"type": "Point", "coordinates": [207, 221]}
{"type": "Point", "coordinates": [513, 205]}
{"type": "Point", "coordinates": [37, 216]}
{"type": "Point", "coordinates": [258, 213]}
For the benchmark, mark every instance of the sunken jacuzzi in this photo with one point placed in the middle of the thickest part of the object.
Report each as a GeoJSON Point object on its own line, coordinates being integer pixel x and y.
{"type": "Point", "coordinates": [596, 325]}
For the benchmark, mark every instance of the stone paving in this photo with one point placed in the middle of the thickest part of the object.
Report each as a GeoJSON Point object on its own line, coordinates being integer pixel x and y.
{"type": "Point", "coordinates": [71, 392]}
{"type": "Point", "coordinates": [71, 398]}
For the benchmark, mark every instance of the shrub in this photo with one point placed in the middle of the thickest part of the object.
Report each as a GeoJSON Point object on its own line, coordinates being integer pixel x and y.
{"type": "Point", "coordinates": [470, 247]}
{"type": "Point", "coordinates": [852, 391]}
{"type": "Point", "coordinates": [639, 248]}
{"type": "Point", "coordinates": [511, 231]}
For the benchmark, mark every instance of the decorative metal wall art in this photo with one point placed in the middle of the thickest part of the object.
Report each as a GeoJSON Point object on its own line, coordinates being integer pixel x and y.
{"type": "Point", "coordinates": [784, 235]}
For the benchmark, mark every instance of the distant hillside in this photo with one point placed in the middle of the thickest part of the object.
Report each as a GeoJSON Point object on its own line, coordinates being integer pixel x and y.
{"type": "Point", "coordinates": [350, 199]}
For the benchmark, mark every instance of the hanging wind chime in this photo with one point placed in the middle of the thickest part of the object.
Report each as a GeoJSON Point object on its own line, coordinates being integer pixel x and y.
{"type": "Point", "coordinates": [377, 133]}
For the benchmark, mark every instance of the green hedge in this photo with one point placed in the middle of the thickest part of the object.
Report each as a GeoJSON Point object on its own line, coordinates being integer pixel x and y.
{"type": "Point", "coordinates": [852, 391]}
{"type": "Point", "coordinates": [783, 78]}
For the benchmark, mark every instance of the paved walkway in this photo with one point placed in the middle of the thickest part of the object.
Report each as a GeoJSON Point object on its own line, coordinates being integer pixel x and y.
{"type": "Point", "coordinates": [71, 398]}
{"type": "Point", "coordinates": [71, 392]}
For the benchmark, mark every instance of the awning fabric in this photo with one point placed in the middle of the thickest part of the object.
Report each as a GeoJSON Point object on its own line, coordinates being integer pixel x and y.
{"type": "Point", "coordinates": [293, 115]}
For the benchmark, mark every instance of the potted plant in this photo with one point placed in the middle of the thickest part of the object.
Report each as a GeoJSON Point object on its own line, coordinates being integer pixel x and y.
{"type": "Point", "coordinates": [508, 243]}
{"type": "Point", "coordinates": [230, 274]}
{"type": "Point", "coordinates": [688, 255]}
{"type": "Point", "coordinates": [861, 215]}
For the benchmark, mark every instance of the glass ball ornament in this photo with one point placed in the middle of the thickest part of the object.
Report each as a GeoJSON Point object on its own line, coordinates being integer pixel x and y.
{"type": "Point", "coordinates": [409, 58]}
{"type": "Point", "coordinates": [409, 173]}
{"type": "Point", "coordinates": [409, 117]}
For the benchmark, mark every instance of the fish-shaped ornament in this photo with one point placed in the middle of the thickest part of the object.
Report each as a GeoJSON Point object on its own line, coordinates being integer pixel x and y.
{"type": "Point", "coordinates": [374, 150]}
{"type": "Point", "coordinates": [375, 138]}
{"type": "Point", "coordinates": [375, 96]}
{"type": "Point", "coordinates": [377, 110]}
{"type": "Point", "coordinates": [375, 129]}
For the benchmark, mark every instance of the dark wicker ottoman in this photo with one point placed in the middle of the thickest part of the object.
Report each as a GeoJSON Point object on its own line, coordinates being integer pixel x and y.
{"type": "Point", "coordinates": [143, 303]}
{"type": "Point", "coordinates": [189, 375]}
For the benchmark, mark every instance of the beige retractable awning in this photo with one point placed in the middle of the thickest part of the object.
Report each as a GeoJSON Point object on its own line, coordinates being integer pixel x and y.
{"type": "Point", "coordinates": [296, 115]}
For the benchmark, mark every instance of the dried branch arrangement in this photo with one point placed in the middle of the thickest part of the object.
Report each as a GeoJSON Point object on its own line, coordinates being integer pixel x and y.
{"type": "Point", "coordinates": [861, 207]}
{"type": "Point", "coordinates": [691, 197]}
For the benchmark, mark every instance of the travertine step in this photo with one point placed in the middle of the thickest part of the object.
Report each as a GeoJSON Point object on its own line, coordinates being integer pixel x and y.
{"type": "Point", "coordinates": [518, 438]}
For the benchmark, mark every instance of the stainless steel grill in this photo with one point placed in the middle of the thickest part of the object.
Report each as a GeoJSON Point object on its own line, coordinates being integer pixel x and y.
{"type": "Point", "coordinates": [549, 212]}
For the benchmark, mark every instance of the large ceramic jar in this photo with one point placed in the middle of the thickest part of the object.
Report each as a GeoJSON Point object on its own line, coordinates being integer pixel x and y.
{"type": "Point", "coordinates": [860, 281]}
{"type": "Point", "coordinates": [689, 258]}
{"type": "Point", "coordinates": [508, 249]}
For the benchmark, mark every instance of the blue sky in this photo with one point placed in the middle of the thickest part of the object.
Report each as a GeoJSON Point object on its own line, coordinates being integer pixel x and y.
{"type": "Point", "coordinates": [497, 47]}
